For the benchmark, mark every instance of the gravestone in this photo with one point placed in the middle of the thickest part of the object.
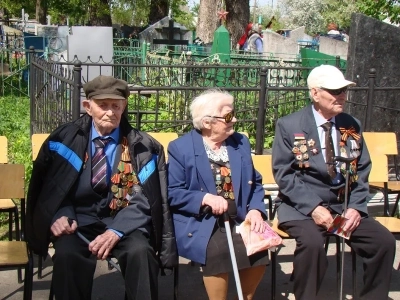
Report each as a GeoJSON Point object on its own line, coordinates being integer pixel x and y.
{"type": "Point", "coordinates": [171, 31]}
{"type": "Point", "coordinates": [374, 44]}
{"type": "Point", "coordinates": [156, 31]}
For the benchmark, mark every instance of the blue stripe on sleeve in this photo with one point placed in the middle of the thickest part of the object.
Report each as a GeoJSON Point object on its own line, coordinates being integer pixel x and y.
{"type": "Point", "coordinates": [148, 169]}
{"type": "Point", "coordinates": [67, 153]}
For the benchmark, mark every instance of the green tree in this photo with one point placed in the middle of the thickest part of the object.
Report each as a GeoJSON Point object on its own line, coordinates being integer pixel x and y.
{"type": "Point", "coordinates": [380, 9]}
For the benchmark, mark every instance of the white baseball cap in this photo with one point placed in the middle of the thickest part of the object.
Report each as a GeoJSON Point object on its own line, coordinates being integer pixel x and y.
{"type": "Point", "coordinates": [328, 77]}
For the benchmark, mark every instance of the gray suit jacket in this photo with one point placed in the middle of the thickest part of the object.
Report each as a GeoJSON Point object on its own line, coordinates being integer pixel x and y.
{"type": "Point", "coordinates": [303, 189]}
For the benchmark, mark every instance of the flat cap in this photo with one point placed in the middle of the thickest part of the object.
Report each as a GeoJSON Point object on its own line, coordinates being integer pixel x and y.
{"type": "Point", "coordinates": [106, 87]}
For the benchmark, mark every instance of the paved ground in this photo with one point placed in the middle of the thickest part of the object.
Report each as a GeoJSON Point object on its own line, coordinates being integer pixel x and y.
{"type": "Point", "coordinates": [109, 285]}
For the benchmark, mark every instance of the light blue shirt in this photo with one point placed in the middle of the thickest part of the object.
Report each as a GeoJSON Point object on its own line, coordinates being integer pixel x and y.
{"type": "Point", "coordinates": [320, 120]}
{"type": "Point", "coordinates": [110, 150]}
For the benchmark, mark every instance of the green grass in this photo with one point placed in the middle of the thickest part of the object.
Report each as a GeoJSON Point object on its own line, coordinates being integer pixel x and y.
{"type": "Point", "coordinates": [14, 124]}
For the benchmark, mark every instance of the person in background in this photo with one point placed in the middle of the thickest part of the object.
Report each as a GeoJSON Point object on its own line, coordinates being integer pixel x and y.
{"type": "Point", "coordinates": [243, 38]}
{"type": "Point", "coordinates": [260, 30]}
{"type": "Point", "coordinates": [311, 187]}
{"type": "Point", "coordinates": [106, 180]}
{"type": "Point", "coordinates": [334, 33]}
{"type": "Point", "coordinates": [254, 43]}
{"type": "Point", "coordinates": [211, 166]}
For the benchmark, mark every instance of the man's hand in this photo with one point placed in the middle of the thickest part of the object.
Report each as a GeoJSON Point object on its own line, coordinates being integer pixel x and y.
{"type": "Point", "coordinates": [102, 245]}
{"type": "Point", "coordinates": [322, 216]}
{"type": "Point", "coordinates": [256, 220]}
{"type": "Point", "coordinates": [217, 203]}
{"type": "Point", "coordinates": [61, 226]}
{"type": "Point", "coordinates": [353, 220]}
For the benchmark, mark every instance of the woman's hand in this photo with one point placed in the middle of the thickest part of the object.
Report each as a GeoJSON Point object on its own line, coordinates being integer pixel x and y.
{"type": "Point", "coordinates": [256, 220]}
{"type": "Point", "coordinates": [217, 203]}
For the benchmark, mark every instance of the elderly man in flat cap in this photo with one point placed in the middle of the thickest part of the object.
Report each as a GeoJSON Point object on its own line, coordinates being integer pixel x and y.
{"type": "Point", "coordinates": [106, 180]}
{"type": "Point", "coordinates": [312, 187]}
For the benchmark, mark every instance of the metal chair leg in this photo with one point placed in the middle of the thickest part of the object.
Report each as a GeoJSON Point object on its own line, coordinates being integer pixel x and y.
{"type": "Point", "coordinates": [10, 225]}
{"type": "Point", "coordinates": [28, 280]}
{"type": "Point", "coordinates": [354, 272]}
{"type": "Point", "coordinates": [273, 276]}
{"type": "Point", "coordinates": [17, 232]}
{"type": "Point", "coordinates": [40, 267]}
{"type": "Point", "coordinates": [176, 282]}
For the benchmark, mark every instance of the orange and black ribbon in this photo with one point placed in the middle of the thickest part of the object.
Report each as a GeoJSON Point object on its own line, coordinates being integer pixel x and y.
{"type": "Point", "coordinates": [349, 132]}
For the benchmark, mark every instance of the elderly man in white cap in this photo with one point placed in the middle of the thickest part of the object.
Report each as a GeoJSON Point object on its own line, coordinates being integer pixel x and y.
{"type": "Point", "coordinates": [312, 187]}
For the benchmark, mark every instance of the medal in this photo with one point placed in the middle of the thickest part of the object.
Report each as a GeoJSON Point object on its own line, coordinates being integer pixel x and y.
{"type": "Point", "coordinates": [123, 177]}
{"type": "Point", "coordinates": [219, 189]}
{"type": "Point", "coordinates": [295, 150]}
{"type": "Point", "coordinates": [119, 203]}
{"type": "Point", "coordinates": [137, 188]}
{"type": "Point", "coordinates": [303, 148]}
{"type": "Point", "coordinates": [311, 143]}
{"type": "Point", "coordinates": [114, 188]}
{"type": "Point", "coordinates": [305, 156]}
{"type": "Point", "coordinates": [226, 195]}
{"type": "Point", "coordinates": [227, 179]}
{"type": "Point", "coordinates": [231, 196]}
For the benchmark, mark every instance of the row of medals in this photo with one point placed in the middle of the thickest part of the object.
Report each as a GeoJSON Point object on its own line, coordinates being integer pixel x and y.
{"type": "Point", "coordinates": [123, 183]}
{"type": "Point", "coordinates": [227, 188]}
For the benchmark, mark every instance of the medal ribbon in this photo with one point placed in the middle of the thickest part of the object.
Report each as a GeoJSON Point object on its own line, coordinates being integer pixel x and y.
{"type": "Point", "coordinates": [349, 132]}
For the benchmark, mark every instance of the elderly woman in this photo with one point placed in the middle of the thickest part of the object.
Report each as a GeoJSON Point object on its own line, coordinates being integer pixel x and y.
{"type": "Point", "coordinates": [212, 166]}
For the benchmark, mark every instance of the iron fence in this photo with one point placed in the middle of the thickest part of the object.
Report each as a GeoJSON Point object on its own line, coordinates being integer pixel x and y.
{"type": "Point", "coordinates": [161, 95]}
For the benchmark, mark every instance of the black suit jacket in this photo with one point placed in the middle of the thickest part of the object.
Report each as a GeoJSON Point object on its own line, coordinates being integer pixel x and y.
{"type": "Point", "coordinates": [303, 189]}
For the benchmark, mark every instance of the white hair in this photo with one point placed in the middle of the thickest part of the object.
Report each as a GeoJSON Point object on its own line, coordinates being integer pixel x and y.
{"type": "Point", "coordinates": [206, 104]}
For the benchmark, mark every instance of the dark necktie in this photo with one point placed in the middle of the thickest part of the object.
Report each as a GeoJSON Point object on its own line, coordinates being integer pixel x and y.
{"type": "Point", "coordinates": [329, 149]}
{"type": "Point", "coordinates": [99, 165]}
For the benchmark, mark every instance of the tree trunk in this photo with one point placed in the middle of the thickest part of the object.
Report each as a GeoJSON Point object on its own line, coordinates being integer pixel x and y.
{"type": "Point", "coordinates": [100, 14]}
{"type": "Point", "coordinates": [238, 18]}
{"type": "Point", "coordinates": [158, 10]}
{"type": "Point", "coordinates": [41, 11]}
{"type": "Point", "coordinates": [208, 19]}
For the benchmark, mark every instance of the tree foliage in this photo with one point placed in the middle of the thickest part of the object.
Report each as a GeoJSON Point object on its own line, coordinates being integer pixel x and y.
{"type": "Point", "coordinates": [381, 9]}
{"type": "Point", "coordinates": [306, 13]}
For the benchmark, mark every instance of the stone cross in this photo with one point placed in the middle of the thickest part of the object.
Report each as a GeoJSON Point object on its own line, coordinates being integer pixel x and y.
{"type": "Point", "coordinates": [170, 41]}
{"type": "Point", "coordinates": [48, 17]}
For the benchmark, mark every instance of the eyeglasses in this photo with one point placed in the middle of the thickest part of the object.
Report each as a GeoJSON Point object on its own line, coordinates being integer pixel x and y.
{"type": "Point", "coordinates": [227, 117]}
{"type": "Point", "coordinates": [336, 92]}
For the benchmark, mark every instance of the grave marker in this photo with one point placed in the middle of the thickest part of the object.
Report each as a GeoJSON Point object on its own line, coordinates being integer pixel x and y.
{"type": "Point", "coordinates": [171, 41]}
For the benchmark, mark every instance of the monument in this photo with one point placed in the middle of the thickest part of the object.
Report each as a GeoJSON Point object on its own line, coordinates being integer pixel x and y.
{"type": "Point", "coordinates": [374, 45]}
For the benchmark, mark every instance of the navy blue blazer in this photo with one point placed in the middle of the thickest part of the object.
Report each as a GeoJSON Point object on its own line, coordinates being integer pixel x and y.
{"type": "Point", "coordinates": [190, 178]}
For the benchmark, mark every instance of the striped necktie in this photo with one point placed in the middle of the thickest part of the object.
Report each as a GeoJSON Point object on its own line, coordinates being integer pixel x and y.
{"type": "Point", "coordinates": [99, 166]}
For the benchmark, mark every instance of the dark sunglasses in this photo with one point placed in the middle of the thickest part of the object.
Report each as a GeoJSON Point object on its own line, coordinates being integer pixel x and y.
{"type": "Point", "coordinates": [227, 117]}
{"type": "Point", "coordinates": [337, 92]}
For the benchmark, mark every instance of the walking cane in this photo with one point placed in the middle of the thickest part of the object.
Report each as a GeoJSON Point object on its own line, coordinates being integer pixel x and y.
{"type": "Point", "coordinates": [347, 161]}
{"type": "Point", "coordinates": [233, 256]}
{"type": "Point", "coordinates": [207, 209]}
{"type": "Point", "coordinates": [82, 237]}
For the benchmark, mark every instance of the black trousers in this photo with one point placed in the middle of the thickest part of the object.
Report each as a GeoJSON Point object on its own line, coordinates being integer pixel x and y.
{"type": "Point", "coordinates": [372, 241]}
{"type": "Point", "coordinates": [74, 265]}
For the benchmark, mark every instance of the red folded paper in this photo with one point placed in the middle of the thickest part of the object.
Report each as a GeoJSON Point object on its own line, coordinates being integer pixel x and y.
{"type": "Point", "coordinates": [255, 241]}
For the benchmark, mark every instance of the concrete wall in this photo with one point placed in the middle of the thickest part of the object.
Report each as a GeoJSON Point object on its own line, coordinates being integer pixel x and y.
{"type": "Point", "coordinates": [288, 47]}
{"type": "Point", "coordinates": [333, 47]}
